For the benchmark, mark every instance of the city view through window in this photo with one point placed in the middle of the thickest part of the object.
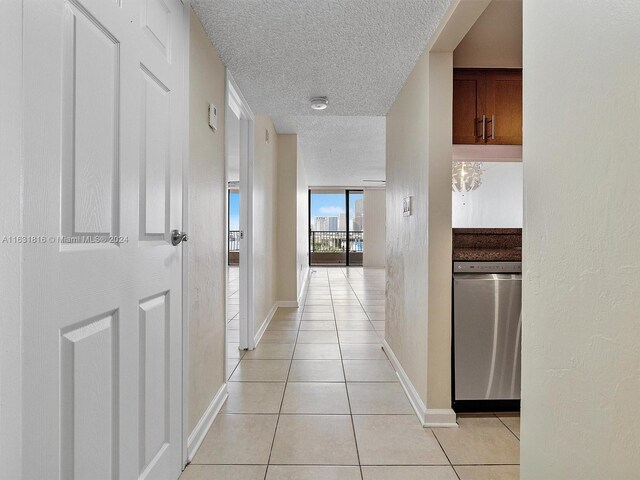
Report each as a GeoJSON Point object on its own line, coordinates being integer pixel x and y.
{"type": "Point", "coordinates": [336, 227]}
{"type": "Point", "coordinates": [234, 227]}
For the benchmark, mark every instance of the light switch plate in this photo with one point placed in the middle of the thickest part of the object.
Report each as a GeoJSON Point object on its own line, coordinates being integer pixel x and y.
{"type": "Point", "coordinates": [406, 206]}
{"type": "Point", "coordinates": [213, 117]}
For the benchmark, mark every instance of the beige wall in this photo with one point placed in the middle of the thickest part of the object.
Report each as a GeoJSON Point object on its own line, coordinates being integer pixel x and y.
{"type": "Point", "coordinates": [419, 247]}
{"type": "Point", "coordinates": [206, 246]}
{"type": "Point", "coordinates": [439, 234]}
{"type": "Point", "coordinates": [407, 266]}
{"type": "Point", "coordinates": [264, 219]}
{"type": "Point", "coordinates": [302, 226]}
{"type": "Point", "coordinates": [287, 186]}
{"type": "Point", "coordinates": [374, 235]}
{"type": "Point", "coordinates": [581, 290]}
{"type": "Point", "coordinates": [495, 40]}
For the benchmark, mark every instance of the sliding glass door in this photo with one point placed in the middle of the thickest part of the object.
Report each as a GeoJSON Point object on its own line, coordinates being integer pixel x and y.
{"type": "Point", "coordinates": [234, 227]}
{"type": "Point", "coordinates": [355, 226]}
{"type": "Point", "coordinates": [327, 227]}
{"type": "Point", "coordinates": [336, 220]}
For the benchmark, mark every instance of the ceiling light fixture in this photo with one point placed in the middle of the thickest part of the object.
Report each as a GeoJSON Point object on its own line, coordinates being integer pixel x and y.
{"type": "Point", "coordinates": [319, 103]}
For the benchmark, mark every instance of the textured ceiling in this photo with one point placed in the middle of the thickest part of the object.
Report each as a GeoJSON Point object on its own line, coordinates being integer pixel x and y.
{"type": "Point", "coordinates": [283, 52]}
{"type": "Point", "coordinates": [339, 151]}
{"type": "Point", "coordinates": [357, 52]}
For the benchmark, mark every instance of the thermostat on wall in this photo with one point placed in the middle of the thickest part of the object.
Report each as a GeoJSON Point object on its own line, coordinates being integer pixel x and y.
{"type": "Point", "coordinates": [213, 117]}
{"type": "Point", "coordinates": [406, 207]}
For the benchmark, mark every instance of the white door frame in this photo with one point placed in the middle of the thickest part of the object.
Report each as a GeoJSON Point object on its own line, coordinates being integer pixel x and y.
{"type": "Point", "coordinates": [186, 20]}
{"type": "Point", "coordinates": [236, 103]}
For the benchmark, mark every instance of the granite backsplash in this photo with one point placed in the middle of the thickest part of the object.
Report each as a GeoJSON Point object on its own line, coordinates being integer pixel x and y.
{"type": "Point", "coordinates": [487, 244]}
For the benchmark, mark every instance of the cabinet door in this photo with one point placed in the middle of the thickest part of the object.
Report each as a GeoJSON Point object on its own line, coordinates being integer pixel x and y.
{"type": "Point", "coordinates": [468, 94]}
{"type": "Point", "coordinates": [504, 106]}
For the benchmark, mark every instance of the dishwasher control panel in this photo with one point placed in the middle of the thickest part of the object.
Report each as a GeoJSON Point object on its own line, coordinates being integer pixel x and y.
{"type": "Point", "coordinates": [487, 267]}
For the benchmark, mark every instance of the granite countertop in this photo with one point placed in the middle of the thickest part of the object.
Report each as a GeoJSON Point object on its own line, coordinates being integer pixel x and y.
{"type": "Point", "coordinates": [487, 244]}
{"type": "Point", "coordinates": [487, 231]}
{"type": "Point", "coordinates": [487, 255]}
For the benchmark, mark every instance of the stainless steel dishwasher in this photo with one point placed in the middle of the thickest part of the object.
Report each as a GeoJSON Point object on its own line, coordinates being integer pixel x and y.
{"type": "Point", "coordinates": [487, 323]}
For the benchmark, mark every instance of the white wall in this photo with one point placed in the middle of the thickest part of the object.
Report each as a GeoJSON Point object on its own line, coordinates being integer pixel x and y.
{"type": "Point", "coordinates": [581, 291]}
{"type": "Point", "coordinates": [497, 203]}
{"type": "Point", "coordinates": [374, 235]}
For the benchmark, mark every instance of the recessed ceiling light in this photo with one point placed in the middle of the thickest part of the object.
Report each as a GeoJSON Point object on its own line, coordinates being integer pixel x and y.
{"type": "Point", "coordinates": [319, 103]}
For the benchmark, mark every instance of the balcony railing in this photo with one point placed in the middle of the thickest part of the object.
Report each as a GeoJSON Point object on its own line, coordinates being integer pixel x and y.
{"type": "Point", "coordinates": [234, 240]}
{"type": "Point", "coordinates": [336, 242]}
{"type": "Point", "coordinates": [356, 241]}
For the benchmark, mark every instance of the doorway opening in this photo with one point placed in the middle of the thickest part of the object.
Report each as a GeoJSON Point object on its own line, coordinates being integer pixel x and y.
{"type": "Point", "coordinates": [336, 227]}
{"type": "Point", "coordinates": [233, 263]}
{"type": "Point", "coordinates": [239, 124]}
{"type": "Point", "coordinates": [487, 212]}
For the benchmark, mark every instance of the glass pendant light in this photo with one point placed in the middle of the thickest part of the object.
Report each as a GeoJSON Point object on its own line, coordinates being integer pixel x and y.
{"type": "Point", "coordinates": [466, 176]}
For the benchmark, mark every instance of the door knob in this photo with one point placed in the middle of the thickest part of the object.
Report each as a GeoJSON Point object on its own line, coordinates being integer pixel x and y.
{"type": "Point", "coordinates": [177, 236]}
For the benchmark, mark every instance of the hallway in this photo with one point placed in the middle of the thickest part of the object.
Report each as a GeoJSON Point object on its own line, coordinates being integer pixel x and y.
{"type": "Point", "coordinates": [318, 399]}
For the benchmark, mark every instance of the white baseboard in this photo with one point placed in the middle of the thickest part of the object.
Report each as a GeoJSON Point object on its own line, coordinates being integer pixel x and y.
{"type": "Point", "coordinates": [288, 304]}
{"type": "Point", "coordinates": [205, 422]}
{"type": "Point", "coordinates": [265, 324]}
{"type": "Point", "coordinates": [416, 402]}
{"type": "Point", "coordinates": [304, 286]}
{"type": "Point", "coordinates": [440, 418]}
{"type": "Point", "coordinates": [427, 417]}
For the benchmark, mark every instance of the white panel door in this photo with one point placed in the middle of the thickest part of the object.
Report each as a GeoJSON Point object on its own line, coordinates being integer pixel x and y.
{"type": "Point", "coordinates": [104, 98]}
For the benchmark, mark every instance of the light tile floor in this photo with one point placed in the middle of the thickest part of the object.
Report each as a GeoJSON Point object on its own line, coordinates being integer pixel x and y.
{"type": "Point", "coordinates": [233, 322]}
{"type": "Point", "coordinates": [319, 400]}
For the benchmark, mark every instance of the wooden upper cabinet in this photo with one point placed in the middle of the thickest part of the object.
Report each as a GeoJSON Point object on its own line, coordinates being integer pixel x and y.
{"type": "Point", "coordinates": [503, 105]}
{"type": "Point", "coordinates": [494, 94]}
{"type": "Point", "coordinates": [468, 95]}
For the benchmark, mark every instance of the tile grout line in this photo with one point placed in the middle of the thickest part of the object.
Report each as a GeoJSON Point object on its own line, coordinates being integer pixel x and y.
{"type": "Point", "coordinates": [445, 453]}
{"type": "Point", "coordinates": [362, 306]}
{"type": "Point", "coordinates": [286, 382]}
{"type": "Point", "coordinates": [333, 279]}
{"type": "Point", "coordinates": [507, 426]}
{"type": "Point", "coordinates": [346, 387]}
{"type": "Point", "coordinates": [226, 331]}
{"type": "Point", "coordinates": [432, 432]}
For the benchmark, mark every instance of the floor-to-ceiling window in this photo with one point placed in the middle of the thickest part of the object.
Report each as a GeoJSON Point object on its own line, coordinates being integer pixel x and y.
{"type": "Point", "coordinates": [234, 227]}
{"type": "Point", "coordinates": [336, 220]}
{"type": "Point", "coordinates": [356, 226]}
